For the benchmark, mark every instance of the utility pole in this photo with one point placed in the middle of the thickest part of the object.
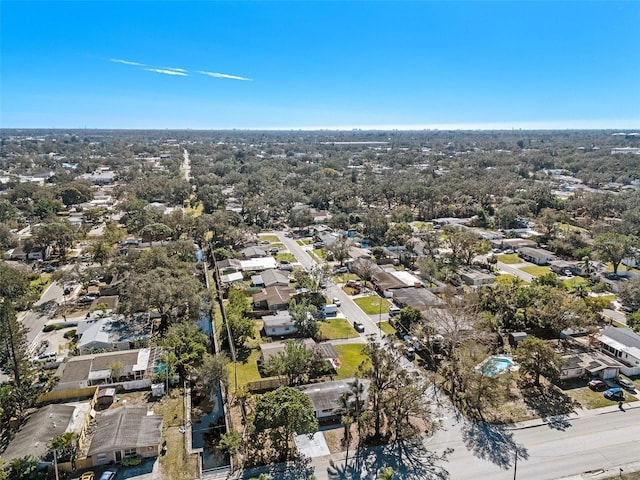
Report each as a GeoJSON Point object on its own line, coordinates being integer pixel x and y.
{"type": "Point", "coordinates": [55, 462]}
{"type": "Point", "coordinates": [515, 466]}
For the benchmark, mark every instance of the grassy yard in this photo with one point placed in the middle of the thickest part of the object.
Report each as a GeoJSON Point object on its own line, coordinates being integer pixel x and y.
{"type": "Point", "coordinates": [175, 463]}
{"type": "Point", "coordinates": [536, 270]}
{"type": "Point", "coordinates": [372, 305]}
{"type": "Point", "coordinates": [345, 277]}
{"type": "Point", "coordinates": [304, 242]}
{"type": "Point", "coordinates": [510, 258]}
{"type": "Point", "coordinates": [335, 328]}
{"type": "Point", "coordinates": [387, 328]}
{"type": "Point", "coordinates": [247, 370]}
{"type": "Point", "coordinates": [270, 238]}
{"type": "Point", "coordinates": [351, 357]}
{"type": "Point", "coordinates": [567, 227]}
{"type": "Point", "coordinates": [621, 268]}
{"type": "Point", "coordinates": [590, 399]}
{"type": "Point", "coordinates": [288, 257]}
{"type": "Point", "coordinates": [570, 283]}
{"type": "Point", "coordinates": [320, 253]}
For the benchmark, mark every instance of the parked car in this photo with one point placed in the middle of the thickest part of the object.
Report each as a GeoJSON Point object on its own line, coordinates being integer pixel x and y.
{"type": "Point", "coordinates": [108, 474]}
{"type": "Point", "coordinates": [88, 476]}
{"type": "Point", "coordinates": [615, 393]}
{"type": "Point", "coordinates": [358, 327]}
{"type": "Point", "coordinates": [341, 270]}
{"type": "Point", "coordinates": [68, 290]}
{"type": "Point", "coordinates": [597, 385]}
{"type": "Point", "coordinates": [86, 299]}
{"type": "Point", "coordinates": [393, 311]}
{"type": "Point", "coordinates": [624, 383]}
{"type": "Point", "coordinates": [48, 269]}
{"type": "Point", "coordinates": [336, 301]}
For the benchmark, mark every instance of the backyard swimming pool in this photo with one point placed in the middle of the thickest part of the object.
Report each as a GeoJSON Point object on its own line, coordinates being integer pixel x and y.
{"type": "Point", "coordinates": [493, 366]}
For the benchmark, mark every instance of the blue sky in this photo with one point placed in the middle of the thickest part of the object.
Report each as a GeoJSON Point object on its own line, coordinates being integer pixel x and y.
{"type": "Point", "coordinates": [419, 64]}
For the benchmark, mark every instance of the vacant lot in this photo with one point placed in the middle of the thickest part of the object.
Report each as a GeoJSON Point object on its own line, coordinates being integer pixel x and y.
{"type": "Point", "coordinates": [372, 305]}
{"type": "Point", "coordinates": [247, 369]}
{"type": "Point", "coordinates": [536, 270]}
{"type": "Point", "coordinates": [509, 258]}
{"type": "Point", "coordinates": [351, 356]}
{"type": "Point", "coordinates": [270, 238]}
{"type": "Point", "coordinates": [335, 328]}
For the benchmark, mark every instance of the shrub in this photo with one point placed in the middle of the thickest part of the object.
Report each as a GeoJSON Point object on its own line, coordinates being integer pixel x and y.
{"type": "Point", "coordinates": [52, 326]}
{"type": "Point", "coordinates": [131, 461]}
{"type": "Point", "coordinates": [70, 334]}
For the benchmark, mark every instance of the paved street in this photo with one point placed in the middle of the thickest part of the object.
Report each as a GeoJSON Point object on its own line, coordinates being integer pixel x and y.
{"type": "Point", "coordinates": [510, 269]}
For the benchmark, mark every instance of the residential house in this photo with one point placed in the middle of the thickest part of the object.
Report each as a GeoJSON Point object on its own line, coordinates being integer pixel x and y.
{"type": "Point", "coordinates": [258, 264]}
{"type": "Point", "coordinates": [228, 265]}
{"type": "Point", "coordinates": [325, 397]}
{"type": "Point", "coordinates": [96, 369]}
{"type": "Point", "coordinates": [125, 432]}
{"type": "Point", "coordinates": [419, 298]}
{"type": "Point", "coordinates": [514, 243]}
{"type": "Point", "coordinates": [475, 278]}
{"type": "Point", "coordinates": [278, 325]}
{"type": "Point", "coordinates": [592, 364]}
{"type": "Point", "coordinates": [254, 252]}
{"type": "Point", "coordinates": [39, 428]}
{"type": "Point", "coordinates": [273, 298]}
{"type": "Point", "coordinates": [624, 346]}
{"type": "Point", "coordinates": [272, 349]}
{"type": "Point", "coordinates": [112, 333]}
{"type": "Point", "coordinates": [100, 177]}
{"type": "Point", "coordinates": [271, 278]}
{"type": "Point", "coordinates": [325, 349]}
{"type": "Point", "coordinates": [538, 256]}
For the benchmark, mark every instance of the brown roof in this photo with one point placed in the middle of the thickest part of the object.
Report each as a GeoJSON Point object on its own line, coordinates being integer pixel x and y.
{"type": "Point", "coordinates": [275, 295]}
{"type": "Point", "coordinates": [126, 427]}
{"type": "Point", "coordinates": [387, 281]}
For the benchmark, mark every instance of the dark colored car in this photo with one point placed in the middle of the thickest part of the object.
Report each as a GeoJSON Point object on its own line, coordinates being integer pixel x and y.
{"type": "Point", "coordinates": [109, 474]}
{"type": "Point", "coordinates": [597, 385]}
{"type": "Point", "coordinates": [624, 383]}
{"type": "Point", "coordinates": [48, 269]}
{"type": "Point", "coordinates": [615, 393]}
{"type": "Point", "coordinates": [358, 327]}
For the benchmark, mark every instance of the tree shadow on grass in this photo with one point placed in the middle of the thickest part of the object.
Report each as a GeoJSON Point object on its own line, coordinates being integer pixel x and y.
{"type": "Point", "coordinates": [409, 459]}
{"type": "Point", "coordinates": [493, 443]}
{"type": "Point", "coordinates": [551, 404]}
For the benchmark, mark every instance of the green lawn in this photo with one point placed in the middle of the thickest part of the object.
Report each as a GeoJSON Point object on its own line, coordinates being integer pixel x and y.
{"type": "Point", "coordinates": [247, 371]}
{"type": "Point", "coordinates": [574, 281]}
{"type": "Point", "coordinates": [320, 253]}
{"type": "Point", "coordinates": [424, 225]}
{"type": "Point", "coordinates": [345, 277]}
{"type": "Point", "coordinates": [289, 257]}
{"type": "Point", "coordinates": [387, 328]}
{"type": "Point", "coordinates": [351, 357]}
{"type": "Point", "coordinates": [536, 270]}
{"type": "Point", "coordinates": [567, 227]}
{"type": "Point", "coordinates": [334, 328]}
{"type": "Point", "coordinates": [590, 399]}
{"type": "Point", "coordinates": [372, 305]}
{"type": "Point", "coordinates": [270, 238]}
{"type": "Point", "coordinates": [621, 268]}
{"type": "Point", "coordinates": [304, 242]}
{"type": "Point", "coordinates": [510, 258]}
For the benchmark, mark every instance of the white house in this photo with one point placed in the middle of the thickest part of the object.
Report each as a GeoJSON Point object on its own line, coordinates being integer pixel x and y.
{"type": "Point", "coordinates": [539, 256]}
{"type": "Point", "coordinates": [279, 324]}
{"type": "Point", "coordinates": [624, 346]}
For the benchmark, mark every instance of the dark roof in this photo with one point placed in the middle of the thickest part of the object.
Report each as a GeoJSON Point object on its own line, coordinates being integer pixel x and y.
{"type": "Point", "coordinates": [40, 427]}
{"type": "Point", "coordinates": [536, 252]}
{"type": "Point", "coordinates": [419, 298]}
{"type": "Point", "coordinates": [325, 395]}
{"type": "Point", "coordinates": [126, 427]}
{"type": "Point", "coordinates": [622, 335]}
{"type": "Point", "coordinates": [387, 281]}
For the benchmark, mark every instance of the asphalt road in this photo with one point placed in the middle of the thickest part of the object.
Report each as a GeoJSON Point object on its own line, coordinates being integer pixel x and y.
{"type": "Point", "coordinates": [348, 307]}
{"type": "Point", "coordinates": [504, 267]}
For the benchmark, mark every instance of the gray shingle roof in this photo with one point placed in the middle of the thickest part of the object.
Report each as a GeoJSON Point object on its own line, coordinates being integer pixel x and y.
{"type": "Point", "coordinates": [126, 427]}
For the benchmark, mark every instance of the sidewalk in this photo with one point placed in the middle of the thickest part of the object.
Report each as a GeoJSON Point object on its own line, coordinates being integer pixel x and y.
{"type": "Point", "coordinates": [578, 414]}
